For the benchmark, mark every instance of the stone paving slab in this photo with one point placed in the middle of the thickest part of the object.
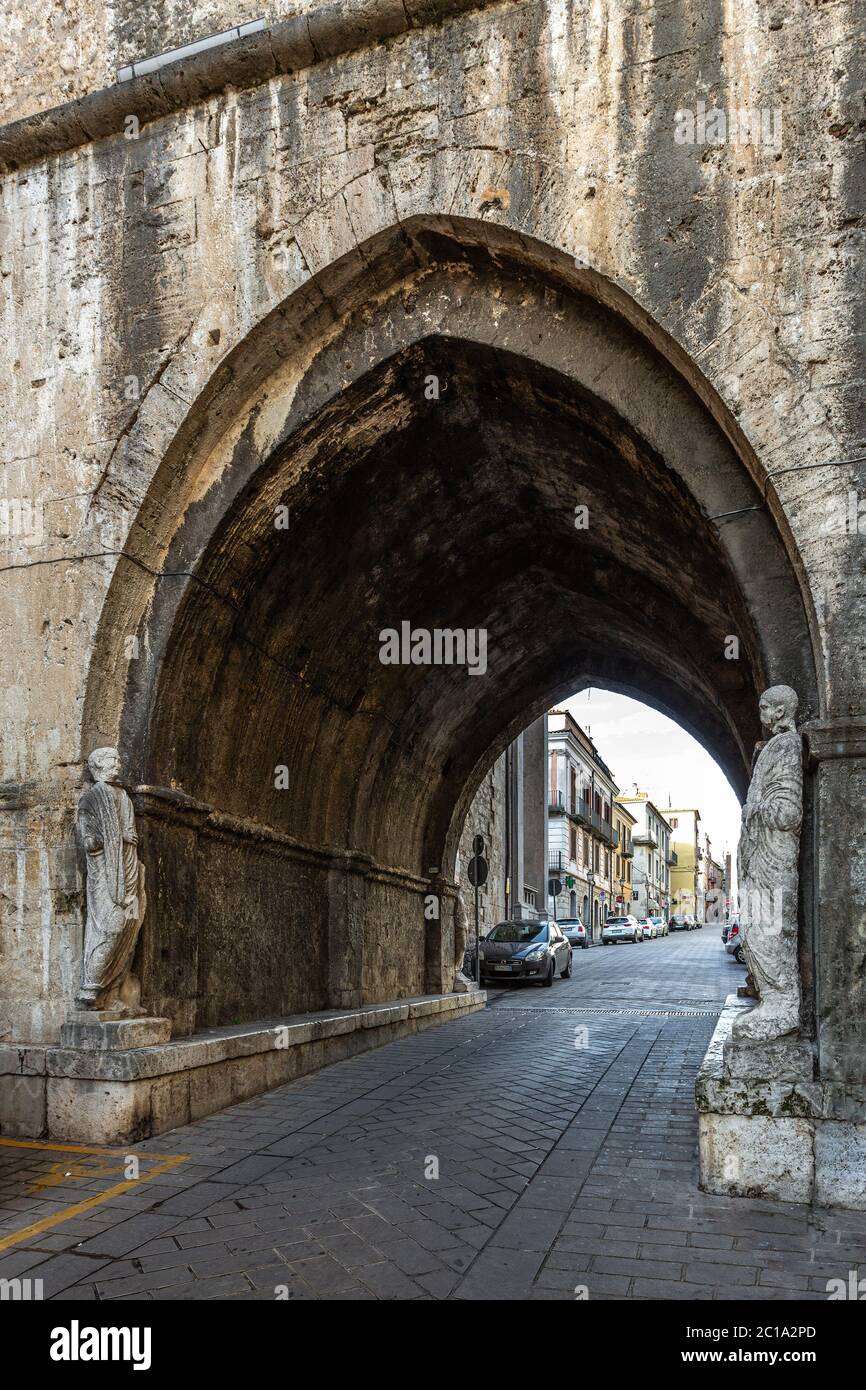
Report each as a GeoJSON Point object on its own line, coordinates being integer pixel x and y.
{"type": "Point", "coordinates": [504, 1156]}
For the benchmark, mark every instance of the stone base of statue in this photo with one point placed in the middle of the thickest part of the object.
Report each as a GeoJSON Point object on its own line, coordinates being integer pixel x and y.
{"type": "Point", "coordinates": [787, 1059]}
{"type": "Point", "coordinates": [102, 1030]}
{"type": "Point", "coordinates": [768, 1128]}
{"type": "Point", "coordinates": [463, 984]}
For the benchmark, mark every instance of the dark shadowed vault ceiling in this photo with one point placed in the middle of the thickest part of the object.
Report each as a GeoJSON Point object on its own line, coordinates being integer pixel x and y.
{"type": "Point", "coordinates": [449, 513]}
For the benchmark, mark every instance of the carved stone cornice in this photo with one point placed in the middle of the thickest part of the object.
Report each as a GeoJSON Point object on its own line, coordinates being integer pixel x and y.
{"type": "Point", "coordinates": [827, 739]}
{"type": "Point", "coordinates": [176, 807]}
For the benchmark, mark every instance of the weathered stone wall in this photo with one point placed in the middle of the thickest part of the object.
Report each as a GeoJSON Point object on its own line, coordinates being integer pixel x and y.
{"type": "Point", "coordinates": [486, 817]}
{"type": "Point", "coordinates": [133, 268]}
{"type": "Point", "coordinates": [62, 50]}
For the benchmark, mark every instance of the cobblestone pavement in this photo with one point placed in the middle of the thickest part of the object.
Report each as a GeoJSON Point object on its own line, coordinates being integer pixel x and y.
{"type": "Point", "coordinates": [562, 1126]}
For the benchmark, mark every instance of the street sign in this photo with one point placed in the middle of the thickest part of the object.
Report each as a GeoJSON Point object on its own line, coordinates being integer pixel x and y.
{"type": "Point", "coordinates": [554, 887]}
{"type": "Point", "coordinates": [478, 870]}
{"type": "Point", "coordinates": [477, 874]}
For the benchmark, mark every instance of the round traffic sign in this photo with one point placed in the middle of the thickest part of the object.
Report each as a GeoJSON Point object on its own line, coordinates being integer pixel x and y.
{"type": "Point", "coordinates": [477, 871]}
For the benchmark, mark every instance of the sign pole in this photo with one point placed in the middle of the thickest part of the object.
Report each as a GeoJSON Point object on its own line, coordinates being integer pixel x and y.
{"type": "Point", "coordinates": [477, 943]}
{"type": "Point", "coordinates": [478, 869]}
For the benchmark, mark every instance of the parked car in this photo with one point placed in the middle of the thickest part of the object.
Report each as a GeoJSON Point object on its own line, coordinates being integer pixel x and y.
{"type": "Point", "coordinates": [678, 922]}
{"type": "Point", "coordinates": [692, 921]}
{"type": "Point", "coordinates": [727, 927]}
{"type": "Point", "coordinates": [734, 945]}
{"type": "Point", "coordinates": [525, 950]}
{"type": "Point", "coordinates": [618, 929]}
{"type": "Point", "coordinates": [661, 924]}
{"type": "Point", "coordinates": [649, 928]}
{"type": "Point", "coordinates": [574, 932]}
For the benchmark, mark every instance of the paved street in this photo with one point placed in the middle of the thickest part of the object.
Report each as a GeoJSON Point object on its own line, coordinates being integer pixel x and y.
{"type": "Point", "coordinates": [560, 1123]}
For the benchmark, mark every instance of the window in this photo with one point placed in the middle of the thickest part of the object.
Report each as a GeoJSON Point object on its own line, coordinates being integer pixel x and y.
{"type": "Point", "coordinates": [572, 843]}
{"type": "Point", "coordinates": [674, 822]}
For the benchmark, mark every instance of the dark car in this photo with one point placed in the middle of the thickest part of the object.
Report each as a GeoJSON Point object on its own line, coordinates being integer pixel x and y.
{"type": "Point", "coordinates": [525, 951]}
{"type": "Point", "coordinates": [574, 932]}
{"type": "Point", "coordinates": [679, 922]}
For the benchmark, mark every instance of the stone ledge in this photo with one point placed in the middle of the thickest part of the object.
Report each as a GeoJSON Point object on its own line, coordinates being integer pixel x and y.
{"type": "Point", "coordinates": [792, 1141]}
{"type": "Point", "coordinates": [130, 1094]}
{"type": "Point", "coordinates": [286, 48]}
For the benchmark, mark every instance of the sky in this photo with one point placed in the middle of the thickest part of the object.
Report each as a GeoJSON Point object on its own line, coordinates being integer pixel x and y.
{"type": "Point", "coordinates": [640, 745]}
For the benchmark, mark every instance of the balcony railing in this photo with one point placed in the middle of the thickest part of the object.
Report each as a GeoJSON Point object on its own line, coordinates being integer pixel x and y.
{"type": "Point", "coordinates": [647, 838]}
{"type": "Point", "coordinates": [579, 811]}
{"type": "Point", "coordinates": [556, 803]}
{"type": "Point", "coordinates": [672, 859]}
{"type": "Point", "coordinates": [604, 828]}
{"type": "Point", "coordinates": [627, 850]}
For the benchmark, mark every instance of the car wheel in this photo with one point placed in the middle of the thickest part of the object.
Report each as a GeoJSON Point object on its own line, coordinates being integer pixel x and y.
{"type": "Point", "coordinates": [739, 957]}
{"type": "Point", "coordinates": [548, 979]}
{"type": "Point", "coordinates": [566, 973]}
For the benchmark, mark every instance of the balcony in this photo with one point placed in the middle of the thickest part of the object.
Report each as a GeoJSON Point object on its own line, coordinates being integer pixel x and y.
{"type": "Point", "coordinates": [647, 838]}
{"type": "Point", "coordinates": [672, 859]}
{"type": "Point", "coordinates": [556, 803]}
{"type": "Point", "coordinates": [579, 811]}
{"type": "Point", "coordinates": [604, 828]}
{"type": "Point", "coordinates": [627, 850]}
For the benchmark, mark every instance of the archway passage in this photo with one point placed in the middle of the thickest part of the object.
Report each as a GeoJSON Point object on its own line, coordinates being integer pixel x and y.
{"type": "Point", "coordinates": [454, 484]}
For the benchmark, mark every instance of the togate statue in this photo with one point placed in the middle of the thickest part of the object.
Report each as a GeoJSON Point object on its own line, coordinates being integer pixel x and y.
{"type": "Point", "coordinates": [462, 983]}
{"type": "Point", "coordinates": [767, 867]}
{"type": "Point", "coordinates": [115, 889]}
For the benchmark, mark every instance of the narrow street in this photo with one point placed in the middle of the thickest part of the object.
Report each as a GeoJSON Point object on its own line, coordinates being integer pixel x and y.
{"type": "Point", "coordinates": [561, 1125]}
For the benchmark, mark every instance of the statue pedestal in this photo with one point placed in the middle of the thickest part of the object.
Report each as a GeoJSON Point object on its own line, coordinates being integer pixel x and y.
{"type": "Point", "coordinates": [107, 1030]}
{"type": "Point", "coordinates": [768, 1128]}
{"type": "Point", "coordinates": [787, 1059]}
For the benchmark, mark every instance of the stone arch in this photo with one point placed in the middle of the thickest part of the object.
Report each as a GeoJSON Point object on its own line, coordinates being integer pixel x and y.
{"type": "Point", "coordinates": [432, 410]}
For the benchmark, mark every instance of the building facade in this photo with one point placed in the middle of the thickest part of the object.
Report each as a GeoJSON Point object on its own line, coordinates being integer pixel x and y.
{"type": "Point", "coordinates": [582, 835]}
{"type": "Point", "coordinates": [653, 858]}
{"type": "Point", "coordinates": [686, 843]}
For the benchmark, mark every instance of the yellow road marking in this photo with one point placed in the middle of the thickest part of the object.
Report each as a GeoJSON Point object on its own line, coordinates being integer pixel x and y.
{"type": "Point", "coordinates": [160, 1166]}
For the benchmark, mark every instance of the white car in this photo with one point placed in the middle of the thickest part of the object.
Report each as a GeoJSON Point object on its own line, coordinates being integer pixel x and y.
{"type": "Point", "coordinates": [661, 923]}
{"type": "Point", "coordinates": [618, 929]}
{"type": "Point", "coordinates": [649, 928]}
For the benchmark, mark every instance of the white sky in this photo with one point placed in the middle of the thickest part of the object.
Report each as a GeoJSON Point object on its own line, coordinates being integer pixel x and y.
{"type": "Point", "coordinates": [640, 745]}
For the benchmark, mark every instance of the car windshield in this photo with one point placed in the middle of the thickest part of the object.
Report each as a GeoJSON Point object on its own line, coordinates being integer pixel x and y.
{"type": "Point", "coordinates": [519, 932]}
{"type": "Point", "coordinates": [570, 922]}
{"type": "Point", "coordinates": [617, 922]}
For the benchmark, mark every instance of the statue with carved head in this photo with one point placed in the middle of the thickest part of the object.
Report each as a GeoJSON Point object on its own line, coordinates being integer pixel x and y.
{"type": "Point", "coordinates": [114, 887]}
{"type": "Point", "coordinates": [767, 866]}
